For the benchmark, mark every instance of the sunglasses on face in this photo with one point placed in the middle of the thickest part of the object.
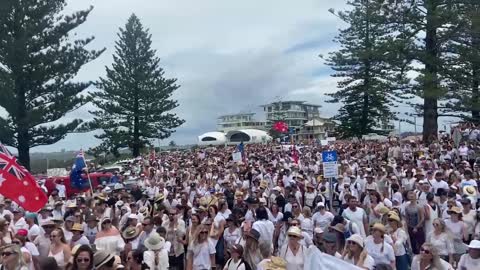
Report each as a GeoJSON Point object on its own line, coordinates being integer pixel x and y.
{"type": "Point", "coordinates": [204, 232]}
{"type": "Point", "coordinates": [350, 243]}
{"type": "Point", "coordinates": [436, 224]}
{"type": "Point", "coordinates": [7, 253]}
{"type": "Point", "coordinates": [426, 251]}
{"type": "Point", "coordinates": [83, 260]}
{"type": "Point", "coordinates": [145, 224]}
{"type": "Point", "coordinates": [53, 236]}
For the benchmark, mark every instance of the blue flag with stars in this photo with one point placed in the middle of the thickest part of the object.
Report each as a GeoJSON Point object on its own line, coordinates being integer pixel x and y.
{"type": "Point", "coordinates": [76, 179]}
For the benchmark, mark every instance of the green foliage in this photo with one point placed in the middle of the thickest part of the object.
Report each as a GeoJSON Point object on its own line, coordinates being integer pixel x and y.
{"type": "Point", "coordinates": [134, 97]}
{"type": "Point", "coordinates": [463, 62]}
{"type": "Point", "coordinates": [38, 61]}
{"type": "Point", "coordinates": [427, 28]}
{"type": "Point", "coordinates": [372, 74]}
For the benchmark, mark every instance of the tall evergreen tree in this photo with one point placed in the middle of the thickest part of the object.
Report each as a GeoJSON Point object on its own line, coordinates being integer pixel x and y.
{"type": "Point", "coordinates": [428, 25]}
{"type": "Point", "coordinates": [37, 65]}
{"type": "Point", "coordinates": [367, 63]}
{"type": "Point", "coordinates": [135, 97]}
{"type": "Point", "coordinates": [463, 64]}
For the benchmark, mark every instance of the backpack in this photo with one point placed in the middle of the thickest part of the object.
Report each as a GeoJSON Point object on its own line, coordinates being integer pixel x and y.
{"type": "Point", "coordinates": [349, 231]}
{"type": "Point", "coordinates": [247, 266]}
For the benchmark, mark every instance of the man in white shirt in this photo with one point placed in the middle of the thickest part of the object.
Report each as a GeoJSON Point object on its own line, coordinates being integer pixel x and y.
{"type": "Point", "coordinates": [264, 225]}
{"type": "Point", "coordinates": [439, 182]}
{"type": "Point", "coordinates": [62, 192]}
{"type": "Point", "coordinates": [356, 215]}
{"type": "Point", "coordinates": [18, 221]}
{"type": "Point", "coordinates": [471, 260]}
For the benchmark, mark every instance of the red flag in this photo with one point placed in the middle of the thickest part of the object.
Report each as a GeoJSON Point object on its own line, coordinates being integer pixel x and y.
{"type": "Point", "coordinates": [18, 184]}
{"type": "Point", "coordinates": [280, 126]}
{"type": "Point", "coordinates": [294, 154]}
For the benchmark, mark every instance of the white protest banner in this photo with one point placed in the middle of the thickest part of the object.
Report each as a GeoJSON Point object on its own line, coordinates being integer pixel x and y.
{"type": "Point", "coordinates": [316, 260]}
{"type": "Point", "coordinates": [237, 156]}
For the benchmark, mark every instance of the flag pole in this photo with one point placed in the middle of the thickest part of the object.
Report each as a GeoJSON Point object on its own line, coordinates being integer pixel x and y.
{"type": "Point", "coordinates": [88, 175]}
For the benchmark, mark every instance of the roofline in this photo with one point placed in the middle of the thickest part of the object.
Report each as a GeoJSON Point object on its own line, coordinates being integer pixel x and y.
{"type": "Point", "coordinates": [234, 114]}
{"type": "Point", "coordinates": [291, 101]}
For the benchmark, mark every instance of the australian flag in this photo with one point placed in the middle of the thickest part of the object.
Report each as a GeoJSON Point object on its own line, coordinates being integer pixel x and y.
{"type": "Point", "coordinates": [76, 179]}
{"type": "Point", "coordinates": [241, 149]}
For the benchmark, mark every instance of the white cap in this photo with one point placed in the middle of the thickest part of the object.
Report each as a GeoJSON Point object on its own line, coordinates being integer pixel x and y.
{"type": "Point", "coordinates": [133, 216]}
{"type": "Point", "coordinates": [320, 204]}
{"type": "Point", "coordinates": [318, 230]}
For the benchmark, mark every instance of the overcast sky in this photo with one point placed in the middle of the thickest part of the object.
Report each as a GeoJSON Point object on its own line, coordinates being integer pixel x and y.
{"type": "Point", "coordinates": [228, 56]}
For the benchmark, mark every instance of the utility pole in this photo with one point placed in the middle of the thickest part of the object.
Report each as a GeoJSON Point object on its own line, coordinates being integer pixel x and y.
{"type": "Point", "coordinates": [415, 124]}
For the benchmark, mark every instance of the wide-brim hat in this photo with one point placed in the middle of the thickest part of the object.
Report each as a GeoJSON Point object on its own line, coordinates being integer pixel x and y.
{"type": "Point", "coordinates": [339, 227]}
{"type": "Point", "coordinates": [130, 233]}
{"type": "Point", "coordinates": [455, 210]}
{"type": "Point", "coordinates": [295, 231]}
{"type": "Point", "coordinates": [475, 244]}
{"type": "Point", "coordinates": [154, 242]}
{"type": "Point", "coordinates": [47, 222]}
{"type": "Point", "coordinates": [276, 263]}
{"type": "Point", "coordinates": [77, 227]}
{"type": "Point", "coordinates": [143, 210]}
{"type": "Point", "coordinates": [469, 191]}
{"type": "Point", "coordinates": [356, 238]}
{"type": "Point", "coordinates": [392, 215]}
{"type": "Point", "coordinates": [100, 258]}
{"type": "Point", "coordinates": [254, 234]}
{"type": "Point", "coordinates": [379, 227]}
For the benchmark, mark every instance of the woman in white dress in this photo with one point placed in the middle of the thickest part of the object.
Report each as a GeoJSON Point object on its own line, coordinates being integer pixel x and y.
{"type": "Point", "coordinates": [458, 231]}
{"type": "Point", "coordinates": [201, 251]}
{"type": "Point", "coordinates": [293, 252]}
{"type": "Point", "coordinates": [441, 240]}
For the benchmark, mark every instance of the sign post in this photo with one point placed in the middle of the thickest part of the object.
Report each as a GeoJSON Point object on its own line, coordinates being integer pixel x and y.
{"type": "Point", "coordinates": [330, 170]}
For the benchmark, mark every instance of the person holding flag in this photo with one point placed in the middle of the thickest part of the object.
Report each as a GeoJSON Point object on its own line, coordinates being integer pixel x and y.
{"type": "Point", "coordinates": [79, 165]}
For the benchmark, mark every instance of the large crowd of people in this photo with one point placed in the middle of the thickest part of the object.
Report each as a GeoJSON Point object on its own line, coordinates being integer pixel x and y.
{"type": "Point", "coordinates": [394, 205]}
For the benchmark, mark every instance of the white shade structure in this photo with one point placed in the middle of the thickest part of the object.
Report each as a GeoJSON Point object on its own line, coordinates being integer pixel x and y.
{"type": "Point", "coordinates": [212, 138]}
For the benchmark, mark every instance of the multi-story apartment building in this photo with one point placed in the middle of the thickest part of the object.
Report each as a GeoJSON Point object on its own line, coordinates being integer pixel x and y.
{"type": "Point", "coordinates": [226, 123]}
{"type": "Point", "coordinates": [294, 113]}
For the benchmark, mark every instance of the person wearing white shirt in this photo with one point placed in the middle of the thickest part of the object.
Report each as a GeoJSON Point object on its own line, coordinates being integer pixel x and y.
{"type": "Point", "coordinates": [18, 221]}
{"type": "Point", "coordinates": [399, 241]}
{"type": "Point", "coordinates": [471, 260]}
{"type": "Point", "coordinates": [263, 225]}
{"type": "Point", "coordinates": [356, 215]}
{"type": "Point", "coordinates": [439, 182]}
{"type": "Point", "coordinates": [62, 191]}
{"type": "Point", "coordinates": [354, 253]}
{"type": "Point", "coordinates": [322, 218]}
{"type": "Point", "coordinates": [378, 248]}
{"type": "Point", "coordinates": [4, 212]}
